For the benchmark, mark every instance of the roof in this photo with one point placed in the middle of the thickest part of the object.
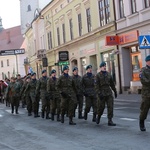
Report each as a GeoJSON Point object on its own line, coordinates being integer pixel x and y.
{"type": "Point", "coordinates": [11, 38]}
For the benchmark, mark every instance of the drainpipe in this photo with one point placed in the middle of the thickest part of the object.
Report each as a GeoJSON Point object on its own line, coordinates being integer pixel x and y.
{"type": "Point", "coordinates": [118, 55]}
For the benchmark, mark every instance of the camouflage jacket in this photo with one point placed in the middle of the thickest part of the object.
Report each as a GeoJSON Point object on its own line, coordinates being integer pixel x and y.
{"type": "Point", "coordinates": [77, 81]}
{"type": "Point", "coordinates": [41, 86]}
{"type": "Point", "coordinates": [20, 82]}
{"type": "Point", "coordinates": [104, 84]}
{"type": "Point", "coordinates": [66, 85]}
{"type": "Point", "coordinates": [22, 92]}
{"type": "Point", "coordinates": [13, 89]}
{"type": "Point", "coordinates": [145, 80]}
{"type": "Point", "coordinates": [51, 88]}
{"type": "Point", "coordinates": [31, 87]}
{"type": "Point", "coordinates": [88, 85]}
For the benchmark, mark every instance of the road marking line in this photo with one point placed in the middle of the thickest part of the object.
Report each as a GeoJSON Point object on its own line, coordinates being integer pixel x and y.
{"type": "Point", "coordinates": [128, 119]}
{"type": "Point", "coordinates": [9, 111]}
{"type": "Point", "coordinates": [121, 108]}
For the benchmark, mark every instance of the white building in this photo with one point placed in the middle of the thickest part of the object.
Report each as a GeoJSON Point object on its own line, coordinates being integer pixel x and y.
{"type": "Point", "coordinates": [28, 10]}
{"type": "Point", "coordinates": [132, 20]}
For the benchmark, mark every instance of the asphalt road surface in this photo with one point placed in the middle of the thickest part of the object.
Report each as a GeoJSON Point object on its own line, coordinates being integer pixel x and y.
{"type": "Point", "coordinates": [20, 132]}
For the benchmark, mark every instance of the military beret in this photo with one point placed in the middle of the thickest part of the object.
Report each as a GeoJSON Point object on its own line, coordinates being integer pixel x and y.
{"type": "Point", "coordinates": [18, 75]}
{"type": "Point", "coordinates": [33, 73]}
{"type": "Point", "coordinates": [75, 68]}
{"type": "Point", "coordinates": [43, 71]}
{"type": "Point", "coordinates": [12, 78]}
{"type": "Point", "coordinates": [147, 58]}
{"type": "Point", "coordinates": [102, 64]}
{"type": "Point", "coordinates": [53, 71]}
{"type": "Point", "coordinates": [28, 77]}
{"type": "Point", "coordinates": [89, 66]}
{"type": "Point", "coordinates": [65, 68]}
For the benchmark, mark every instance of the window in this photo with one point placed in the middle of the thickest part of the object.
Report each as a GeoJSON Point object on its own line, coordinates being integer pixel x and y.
{"type": "Point", "coordinates": [7, 62]}
{"type": "Point", "coordinates": [71, 29]}
{"type": "Point", "coordinates": [29, 8]}
{"type": "Point", "coordinates": [88, 15]}
{"type": "Point", "coordinates": [147, 3]}
{"type": "Point", "coordinates": [49, 35]}
{"type": "Point", "coordinates": [3, 76]}
{"type": "Point", "coordinates": [80, 24]}
{"type": "Point", "coordinates": [104, 12]}
{"type": "Point", "coordinates": [121, 8]}
{"type": "Point", "coordinates": [133, 6]}
{"type": "Point", "coordinates": [58, 36]}
{"type": "Point", "coordinates": [63, 30]}
{"type": "Point", "coordinates": [2, 65]}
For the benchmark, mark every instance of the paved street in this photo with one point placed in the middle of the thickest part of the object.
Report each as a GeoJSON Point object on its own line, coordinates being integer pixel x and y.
{"type": "Point", "coordinates": [20, 132]}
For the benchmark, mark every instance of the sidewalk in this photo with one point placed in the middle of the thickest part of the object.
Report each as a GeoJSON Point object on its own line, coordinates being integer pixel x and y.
{"type": "Point", "coordinates": [129, 97]}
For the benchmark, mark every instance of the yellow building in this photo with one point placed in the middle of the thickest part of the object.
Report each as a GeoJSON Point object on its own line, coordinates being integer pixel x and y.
{"type": "Point", "coordinates": [79, 27]}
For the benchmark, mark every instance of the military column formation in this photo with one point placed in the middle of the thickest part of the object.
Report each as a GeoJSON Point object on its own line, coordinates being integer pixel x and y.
{"type": "Point", "coordinates": [63, 95]}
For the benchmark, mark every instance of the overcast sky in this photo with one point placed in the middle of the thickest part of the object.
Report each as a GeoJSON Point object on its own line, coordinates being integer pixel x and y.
{"type": "Point", "coordinates": [10, 13]}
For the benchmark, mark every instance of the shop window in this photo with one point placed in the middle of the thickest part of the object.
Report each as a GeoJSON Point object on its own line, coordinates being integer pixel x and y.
{"type": "Point", "coordinates": [109, 58]}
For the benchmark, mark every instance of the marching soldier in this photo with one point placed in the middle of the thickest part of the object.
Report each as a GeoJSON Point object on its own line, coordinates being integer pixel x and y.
{"type": "Point", "coordinates": [54, 94]}
{"type": "Point", "coordinates": [13, 91]}
{"type": "Point", "coordinates": [104, 86]}
{"type": "Point", "coordinates": [79, 94]}
{"type": "Point", "coordinates": [145, 104]}
{"type": "Point", "coordinates": [67, 89]}
{"type": "Point", "coordinates": [34, 102]}
{"type": "Point", "coordinates": [88, 81]}
{"type": "Point", "coordinates": [42, 89]}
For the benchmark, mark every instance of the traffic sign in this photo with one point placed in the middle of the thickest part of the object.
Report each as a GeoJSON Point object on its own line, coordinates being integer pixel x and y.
{"type": "Point", "coordinates": [63, 63]}
{"type": "Point", "coordinates": [144, 42]}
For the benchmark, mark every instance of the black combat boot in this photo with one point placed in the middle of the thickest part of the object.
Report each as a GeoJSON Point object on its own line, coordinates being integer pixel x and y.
{"type": "Point", "coordinates": [94, 118]}
{"type": "Point", "coordinates": [110, 123]}
{"type": "Point", "coordinates": [71, 121]}
{"type": "Point", "coordinates": [47, 116]}
{"type": "Point", "coordinates": [62, 118]}
{"type": "Point", "coordinates": [80, 115]}
{"type": "Point", "coordinates": [43, 114]}
{"type": "Point", "coordinates": [98, 119]}
{"type": "Point", "coordinates": [12, 109]}
{"type": "Point", "coordinates": [52, 116]}
{"type": "Point", "coordinates": [36, 114]}
{"type": "Point", "coordinates": [85, 115]}
{"type": "Point", "coordinates": [29, 114]}
{"type": "Point", "coordinates": [58, 117]}
{"type": "Point", "coordinates": [142, 125]}
{"type": "Point", "coordinates": [17, 110]}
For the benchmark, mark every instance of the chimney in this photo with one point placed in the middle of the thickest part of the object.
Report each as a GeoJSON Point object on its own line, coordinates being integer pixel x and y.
{"type": "Point", "coordinates": [8, 37]}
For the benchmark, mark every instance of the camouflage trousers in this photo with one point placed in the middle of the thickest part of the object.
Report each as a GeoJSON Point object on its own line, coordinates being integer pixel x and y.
{"type": "Point", "coordinates": [107, 100]}
{"type": "Point", "coordinates": [45, 103]}
{"type": "Point", "coordinates": [79, 103]}
{"type": "Point", "coordinates": [145, 106]}
{"type": "Point", "coordinates": [55, 105]}
{"type": "Point", "coordinates": [15, 102]}
{"type": "Point", "coordinates": [67, 104]}
{"type": "Point", "coordinates": [29, 103]}
{"type": "Point", "coordinates": [90, 101]}
{"type": "Point", "coordinates": [35, 104]}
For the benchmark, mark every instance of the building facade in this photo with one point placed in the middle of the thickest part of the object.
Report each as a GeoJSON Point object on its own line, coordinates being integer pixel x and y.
{"type": "Point", "coordinates": [132, 20]}
{"type": "Point", "coordinates": [12, 52]}
{"type": "Point", "coordinates": [28, 11]}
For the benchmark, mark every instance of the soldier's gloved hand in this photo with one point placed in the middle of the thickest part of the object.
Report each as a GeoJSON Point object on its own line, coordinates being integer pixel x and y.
{"type": "Point", "coordinates": [115, 94]}
{"type": "Point", "coordinates": [101, 96]}
{"type": "Point", "coordinates": [65, 95]}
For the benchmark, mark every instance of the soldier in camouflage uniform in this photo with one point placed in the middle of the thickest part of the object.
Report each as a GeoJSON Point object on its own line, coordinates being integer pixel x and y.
{"type": "Point", "coordinates": [104, 86]}
{"type": "Point", "coordinates": [13, 91]}
{"type": "Point", "coordinates": [67, 89]}
{"type": "Point", "coordinates": [34, 102]}
{"type": "Point", "coordinates": [54, 94]}
{"type": "Point", "coordinates": [42, 89]}
{"type": "Point", "coordinates": [145, 104]}
{"type": "Point", "coordinates": [25, 94]}
{"type": "Point", "coordinates": [88, 81]}
{"type": "Point", "coordinates": [79, 94]}
{"type": "Point", "coordinates": [21, 83]}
